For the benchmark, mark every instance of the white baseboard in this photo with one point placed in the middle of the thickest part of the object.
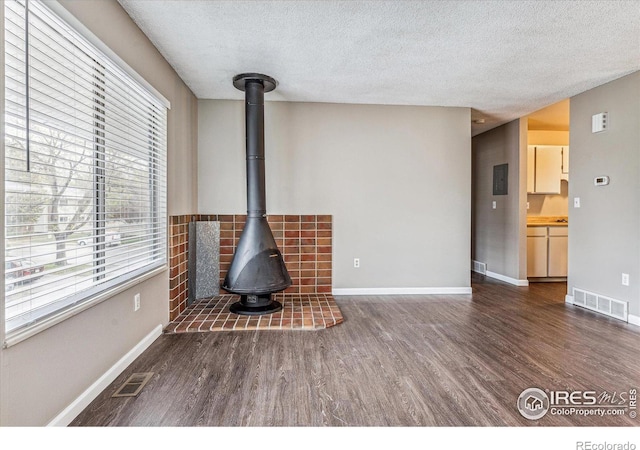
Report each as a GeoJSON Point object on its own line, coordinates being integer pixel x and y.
{"type": "Point", "coordinates": [568, 299]}
{"type": "Point", "coordinates": [79, 404]}
{"type": "Point", "coordinates": [401, 291]}
{"type": "Point", "coordinates": [507, 279]}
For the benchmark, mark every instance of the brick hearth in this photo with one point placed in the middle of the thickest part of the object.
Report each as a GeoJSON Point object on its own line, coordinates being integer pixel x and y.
{"type": "Point", "coordinates": [299, 312]}
{"type": "Point", "coordinates": [306, 245]}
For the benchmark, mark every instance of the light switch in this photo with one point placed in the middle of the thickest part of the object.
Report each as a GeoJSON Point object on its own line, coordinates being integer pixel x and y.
{"type": "Point", "coordinates": [494, 204]}
{"type": "Point", "coordinates": [576, 202]}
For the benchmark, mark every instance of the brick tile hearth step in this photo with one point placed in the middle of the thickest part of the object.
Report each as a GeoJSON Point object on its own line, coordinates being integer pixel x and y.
{"type": "Point", "coordinates": [299, 312]}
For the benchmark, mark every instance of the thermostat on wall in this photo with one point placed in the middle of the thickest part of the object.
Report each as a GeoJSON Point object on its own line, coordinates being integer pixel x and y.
{"type": "Point", "coordinates": [601, 181]}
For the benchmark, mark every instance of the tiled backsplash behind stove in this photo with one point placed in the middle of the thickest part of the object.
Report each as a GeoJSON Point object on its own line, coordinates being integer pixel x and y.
{"type": "Point", "coordinates": [304, 240]}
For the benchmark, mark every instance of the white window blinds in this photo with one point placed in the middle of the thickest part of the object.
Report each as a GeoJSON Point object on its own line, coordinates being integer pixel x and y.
{"type": "Point", "coordinates": [85, 169]}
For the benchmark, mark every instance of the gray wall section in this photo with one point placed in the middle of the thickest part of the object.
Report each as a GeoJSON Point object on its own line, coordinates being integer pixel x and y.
{"type": "Point", "coordinates": [499, 235]}
{"type": "Point", "coordinates": [604, 233]}
{"type": "Point", "coordinates": [43, 374]}
{"type": "Point", "coordinates": [395, 178]}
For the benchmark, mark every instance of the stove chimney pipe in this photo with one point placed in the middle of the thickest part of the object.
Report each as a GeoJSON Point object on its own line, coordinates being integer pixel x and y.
{"type": "Point", "coordinates": [257, 269]}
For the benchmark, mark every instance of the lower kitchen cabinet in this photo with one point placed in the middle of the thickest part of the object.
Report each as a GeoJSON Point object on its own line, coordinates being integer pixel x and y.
{"type": "Point", "coordinates": [547, 252]}
{"type": "Point", "coordinates": [558, 251]}
{"type": "Point", "coordinates": [537, 252]}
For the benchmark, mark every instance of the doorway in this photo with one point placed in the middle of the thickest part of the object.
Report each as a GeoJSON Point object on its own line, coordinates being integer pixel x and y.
{"type": "Point", "coordinates": [548, 193]}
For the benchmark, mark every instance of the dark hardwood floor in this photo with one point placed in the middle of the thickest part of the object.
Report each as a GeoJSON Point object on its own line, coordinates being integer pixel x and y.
{"type": "Point", "coordinates": [437, 360]}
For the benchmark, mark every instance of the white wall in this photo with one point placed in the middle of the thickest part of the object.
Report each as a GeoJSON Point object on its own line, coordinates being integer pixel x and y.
{"type": "Point", "coordinates": [395, 178]}
{"type": "Point", "coordinates": [499, 235]}
{"type": "Point", "coordinates": [604, 233]}
{"type": "Point", "coordinates": [550, 204]}
{"type": "Point", "coordinates": [42, 375]}
{"type": "Point", "coordinates": [547, 137]}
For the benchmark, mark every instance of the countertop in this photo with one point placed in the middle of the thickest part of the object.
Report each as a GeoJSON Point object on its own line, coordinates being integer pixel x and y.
{"type": "Point", "coordinates": [547, 221]}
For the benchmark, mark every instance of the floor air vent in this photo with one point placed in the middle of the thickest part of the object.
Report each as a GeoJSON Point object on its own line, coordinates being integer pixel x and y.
{"type": "Point", "coordinates": [600, 303]}
{"type": "Point", "coordinates": [479, 267]}
{"type": "Point", "coordinates": [133, 385]}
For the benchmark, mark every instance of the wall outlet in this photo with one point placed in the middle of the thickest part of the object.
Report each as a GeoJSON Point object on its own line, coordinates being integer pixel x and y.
{"type": "Point", "coordinates": [136, 302]}
{"type": "Point", "coordinates": [527, 205]}
{"type": "Point", "coordinates": [356, 262]}
{"type": "Point", "coordinates": [494, 204]}
{"type": "Point", "coordinates": [576, 202]}
{"type": "Point", "coordinates": [625, 279]}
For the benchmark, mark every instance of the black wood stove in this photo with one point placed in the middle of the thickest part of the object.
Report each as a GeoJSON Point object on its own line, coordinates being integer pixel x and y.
{"type": "Point", "coordinates": [257, 269]}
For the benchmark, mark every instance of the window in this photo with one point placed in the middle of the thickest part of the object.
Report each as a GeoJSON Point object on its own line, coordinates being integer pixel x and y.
{"type": "Point", "coordinates": [85, 170]}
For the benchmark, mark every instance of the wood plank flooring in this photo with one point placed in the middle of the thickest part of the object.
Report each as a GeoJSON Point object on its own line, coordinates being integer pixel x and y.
{"type": "Point", "coordinates": [437, 360]}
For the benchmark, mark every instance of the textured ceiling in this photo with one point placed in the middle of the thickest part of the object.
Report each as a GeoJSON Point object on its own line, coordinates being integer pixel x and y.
{"type": "Point", "coordinates": [504, 59]}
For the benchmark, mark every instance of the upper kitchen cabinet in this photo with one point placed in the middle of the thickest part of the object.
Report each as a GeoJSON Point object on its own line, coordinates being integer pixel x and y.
{"type": "Point", "coordinates": [544, 168]}
{"type": "Point", "coordinates": [565, 163]}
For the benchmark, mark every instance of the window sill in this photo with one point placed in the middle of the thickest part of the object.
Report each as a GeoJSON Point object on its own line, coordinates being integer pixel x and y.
{"type": "Point", "coordinates": [13, 337]}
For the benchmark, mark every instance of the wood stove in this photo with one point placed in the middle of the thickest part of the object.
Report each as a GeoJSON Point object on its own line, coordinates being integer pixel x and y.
{"type": "Point", "coordinates": [257, 269]}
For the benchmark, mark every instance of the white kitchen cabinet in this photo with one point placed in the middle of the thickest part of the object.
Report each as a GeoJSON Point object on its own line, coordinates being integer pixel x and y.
{"type": "Point", "coordinates": [565, 163]}
{"type": "Point", "coordinates": [531, 169]}
{"type": "Point", "coordinates": [547, 252]}
{"type": "Point", "coordinates": [537, 252]}
{"type": "Point", "coordinates": [558, 251]}
{"type": "Point", "coordinates": [547, 169]}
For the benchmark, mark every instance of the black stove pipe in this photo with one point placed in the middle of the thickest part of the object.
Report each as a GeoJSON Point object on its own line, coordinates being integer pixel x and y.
{"type": "Point", "coordinates": [257, 269]}
{"type": "Point", "coordinates": [254, 111]}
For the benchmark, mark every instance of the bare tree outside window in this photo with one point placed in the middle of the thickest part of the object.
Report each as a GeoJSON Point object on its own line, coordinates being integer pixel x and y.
{"type": "Point", "coordinates": [54, 192]}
